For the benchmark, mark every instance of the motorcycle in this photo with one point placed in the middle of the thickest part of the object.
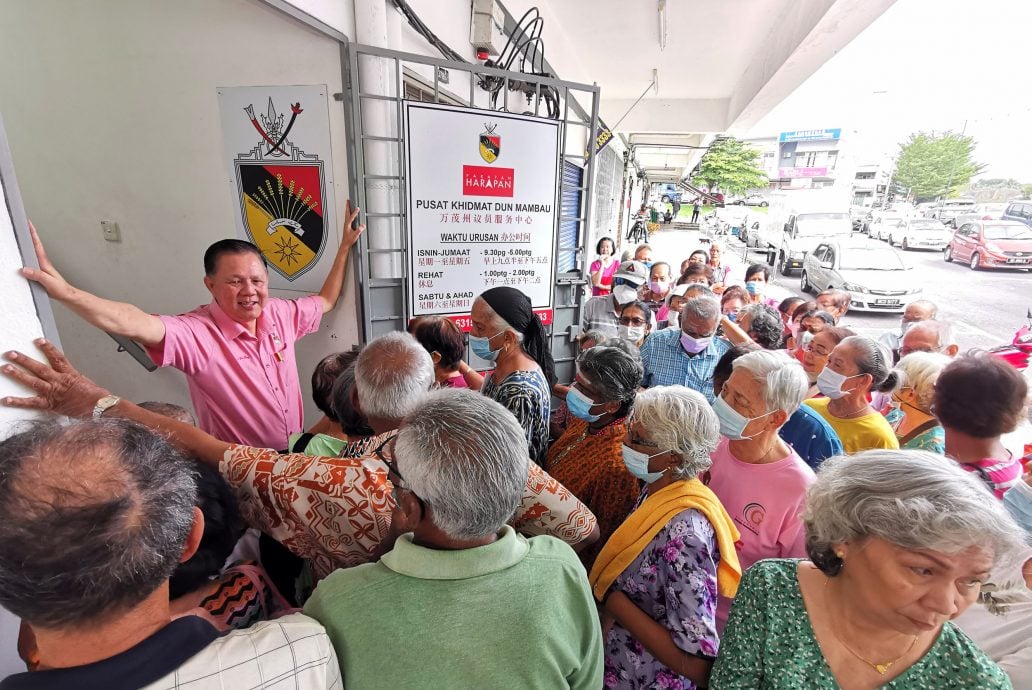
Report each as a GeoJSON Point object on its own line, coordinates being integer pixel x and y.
{"type": "Point", "coordinates": [1019, 352]}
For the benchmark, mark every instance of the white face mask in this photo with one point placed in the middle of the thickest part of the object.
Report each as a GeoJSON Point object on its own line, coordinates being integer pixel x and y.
{"type": "Point", "coordinates": [632, 333]}
{"type": "Point", "coordinates": [829, 383]}
{"type": "Point", "coordinates": [625, 294]}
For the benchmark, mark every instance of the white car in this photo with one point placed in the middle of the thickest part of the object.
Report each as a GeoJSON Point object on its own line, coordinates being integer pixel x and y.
{"type": "Point", "coordinates": [882, 224]}
{"type": "Point", "coordinates": [875, 276]}
{"type": "Point", "coordinates": [920, 233]}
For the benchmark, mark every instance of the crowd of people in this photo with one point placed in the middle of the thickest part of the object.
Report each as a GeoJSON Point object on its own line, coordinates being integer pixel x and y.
{"type": "Point", "coordinates": [733, 491]}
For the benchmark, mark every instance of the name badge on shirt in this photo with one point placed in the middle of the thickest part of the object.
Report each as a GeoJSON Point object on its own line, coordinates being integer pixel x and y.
{"type": "Point", "coordinates": [279, 345]}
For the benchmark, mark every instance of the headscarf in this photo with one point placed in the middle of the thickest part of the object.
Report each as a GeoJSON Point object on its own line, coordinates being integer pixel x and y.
{"type": "Point", "coordinates": [515, 309]}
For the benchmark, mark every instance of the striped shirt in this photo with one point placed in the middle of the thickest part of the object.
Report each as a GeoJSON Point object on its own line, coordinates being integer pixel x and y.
{"type": "Point", "coordinates": [667, 364]}
{"type": "Point", "coordinates": [998, 474]}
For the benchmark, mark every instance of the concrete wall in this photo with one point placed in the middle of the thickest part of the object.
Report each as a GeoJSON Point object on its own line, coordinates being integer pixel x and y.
{"type": "Point", "coordinates": [112, 114]}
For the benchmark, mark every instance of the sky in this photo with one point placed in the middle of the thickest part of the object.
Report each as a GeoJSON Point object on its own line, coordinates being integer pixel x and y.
{"type": "Point", "coordinates": [928, 65]}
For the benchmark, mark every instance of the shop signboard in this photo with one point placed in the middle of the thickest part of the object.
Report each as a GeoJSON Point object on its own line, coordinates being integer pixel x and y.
{"type": "Point", "coordinates": [482, 189]}
{"type": "Point", "coordinates": [810, 135]}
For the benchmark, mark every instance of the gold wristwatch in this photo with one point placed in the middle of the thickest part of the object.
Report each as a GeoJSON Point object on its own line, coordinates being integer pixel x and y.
{"type": "Point", "coordinates": [103, 404]}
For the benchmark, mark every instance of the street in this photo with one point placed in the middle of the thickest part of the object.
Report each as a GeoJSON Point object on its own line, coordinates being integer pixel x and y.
{"type": "Point", "coordinates": [986, 307]}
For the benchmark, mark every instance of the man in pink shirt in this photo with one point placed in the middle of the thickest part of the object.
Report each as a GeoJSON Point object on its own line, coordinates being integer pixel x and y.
{"type": "Point", "coordinates": [760, 480]}
{"type": "Point", "coordinates": [237, 352]}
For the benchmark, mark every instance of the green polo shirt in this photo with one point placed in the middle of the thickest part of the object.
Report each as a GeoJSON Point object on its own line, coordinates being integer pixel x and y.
{"type": "Point", "coordinates": [517, 613]}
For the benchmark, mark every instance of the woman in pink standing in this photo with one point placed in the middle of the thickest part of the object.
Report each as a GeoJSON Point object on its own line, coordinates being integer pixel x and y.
{"type": "Point", "coordinates": [603, 268]}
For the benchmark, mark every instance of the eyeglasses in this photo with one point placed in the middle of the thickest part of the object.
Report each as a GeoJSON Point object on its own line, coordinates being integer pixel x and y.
{"type": "Point", "coordinates": [385, 454]}
{"type": "Point", "coordinates": [628, 321]}
{"type": "Point", "coordinates": [820, 353]}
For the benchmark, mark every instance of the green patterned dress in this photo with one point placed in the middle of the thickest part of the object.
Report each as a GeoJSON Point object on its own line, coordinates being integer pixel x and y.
{"type": "Point", "coordinates": [769, 644]}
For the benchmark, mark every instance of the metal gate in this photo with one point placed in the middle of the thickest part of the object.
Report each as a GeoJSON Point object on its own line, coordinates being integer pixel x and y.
{"type": "Point", "coordinates": [376, 81]}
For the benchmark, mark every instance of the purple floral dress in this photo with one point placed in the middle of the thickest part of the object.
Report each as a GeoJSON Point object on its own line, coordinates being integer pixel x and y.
{"type": "Point", "coordinates": [675, 581]}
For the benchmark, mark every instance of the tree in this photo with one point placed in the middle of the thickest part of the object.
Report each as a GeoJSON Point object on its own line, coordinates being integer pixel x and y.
{"type": "Point", "coordinates": [936, 165]}
{"type": "Point", "coordinates": [732, 166]}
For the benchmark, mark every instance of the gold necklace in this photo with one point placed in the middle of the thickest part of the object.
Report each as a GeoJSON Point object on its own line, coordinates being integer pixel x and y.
{"type": "Point", "coordinates": [882, 669]}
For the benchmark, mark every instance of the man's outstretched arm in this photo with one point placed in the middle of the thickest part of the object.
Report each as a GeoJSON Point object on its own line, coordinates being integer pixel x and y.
{"type": "Point", "coordinates": [331, 289]}
{"type": "Point", "coordinates": [119, 318]}
{"type": "Point", "coordinates": [61, 389]}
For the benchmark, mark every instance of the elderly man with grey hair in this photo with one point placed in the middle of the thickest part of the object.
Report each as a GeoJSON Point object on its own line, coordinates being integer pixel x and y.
{"type": "Point", "coordinates": [333, 511]}
{"type": "Point", "coordinates": [94, 517]}
{"type": "Point", "coordinates": [686, 356]}
{"type": "Point", "coordinates": [915, 312]}
{"type": "Point", "coordinates": [758, 477]}
{"type": "Point", "coordinates": [900, 543]}
{"type": "Point", "coordinates": [462, 600]}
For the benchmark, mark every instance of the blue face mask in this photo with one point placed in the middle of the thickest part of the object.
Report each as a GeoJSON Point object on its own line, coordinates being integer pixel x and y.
{"type": "Point", "coordinates": [482, 347]}
{"type": "Point", "coordinates": [733, 422]}
{"type": "Point", "coordinates": [1018, 502]}
{"type": "Point", "coordinates": [754, 288]}
{"type": "Point", "coordinates": [580, 406]}
{"type": "Point", "coordinates": [637, 463]}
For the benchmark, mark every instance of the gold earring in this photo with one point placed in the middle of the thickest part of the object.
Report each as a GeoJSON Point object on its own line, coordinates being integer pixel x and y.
{"type": "Point", "coordinates": [840, 554]}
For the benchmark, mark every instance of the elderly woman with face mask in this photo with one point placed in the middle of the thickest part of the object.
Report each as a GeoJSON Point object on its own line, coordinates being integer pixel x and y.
{"type": "Point", "coordinates": [504, 329]}
{"type": "Point", "coordinates": [857, 367]}
{"type": "Point", "coordinates": [911, 407]}
{"type": "Point", "coordinates": [659, 574]}
{"type": "Point", "coordinates": [587, 458]}
{"type": "Point", "coordinates": [899, 543]}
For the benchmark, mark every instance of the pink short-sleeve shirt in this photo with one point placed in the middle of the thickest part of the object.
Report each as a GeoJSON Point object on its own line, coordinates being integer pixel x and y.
{"type": "Point", "coordinates": [244, 387]}
{"type": "Point", "coordinates": [765, 502]}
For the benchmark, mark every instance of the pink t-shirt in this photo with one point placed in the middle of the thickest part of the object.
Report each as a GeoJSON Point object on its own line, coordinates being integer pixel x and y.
{"type": "Point", "coordinates": [606, 278]}
{"type": "Point", "coordinates": [765, 502]}
{"type": "Point", "coordinates": [244, 387]}
{"type": "Point", "coordinates": [998, 474]}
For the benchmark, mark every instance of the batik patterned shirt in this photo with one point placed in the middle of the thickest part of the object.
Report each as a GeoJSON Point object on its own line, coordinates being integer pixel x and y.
{"type": "Point", "coordinates": [336, 511]}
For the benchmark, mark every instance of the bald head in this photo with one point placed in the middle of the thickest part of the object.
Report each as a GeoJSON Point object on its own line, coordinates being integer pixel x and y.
{"type": "Point", "coordinates": [94, 517]}
{"type": "Point", "coordinates": [930, 336]}
{"type": "Point", "coordinates": [920, 310]}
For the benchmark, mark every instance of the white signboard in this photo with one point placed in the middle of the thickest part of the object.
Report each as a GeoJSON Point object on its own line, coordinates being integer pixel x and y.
{"type": "Point", "coordinates": [482, 198]}
{"type": "Point", "coordinates": [277, 147]}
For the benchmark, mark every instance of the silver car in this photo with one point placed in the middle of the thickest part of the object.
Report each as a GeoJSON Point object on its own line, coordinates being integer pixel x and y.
{"type": "Point", "coordinates": [920, 233]}
{"type": "Point", "coordinates": [875, 276]}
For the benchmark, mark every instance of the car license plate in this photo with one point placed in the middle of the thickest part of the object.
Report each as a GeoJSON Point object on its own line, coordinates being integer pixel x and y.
{"type": "Point", "coordinates": [887, 302]}
{"type": "Point", "coordinates": [1017, 261]}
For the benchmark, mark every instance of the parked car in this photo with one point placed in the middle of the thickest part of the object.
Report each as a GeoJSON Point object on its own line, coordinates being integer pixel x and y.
{"type": "Point", "coordinates": [991, 244]}
{"type": "Point", "coordinates": [882, 224]}
{"type": "Point", "coordinates": [755, 200]}
{"type": "Point", "coordinates": [857, 214]}
{"type": "Point", "coordinates": [1021, 211]}
{"type": "Point", "coordinates": [802, 233]}
{"type": "Point", "coordinates": [981, 212]}
{"type": "Point", "coordinates": [875, 276]}
{"type": "Point", "coordinates": [920, 233]}
{"type": "Point", "coordinates": [947, 210]}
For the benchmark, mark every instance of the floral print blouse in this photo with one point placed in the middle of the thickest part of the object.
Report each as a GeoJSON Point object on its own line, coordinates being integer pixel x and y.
{"type": "Point", "coordinates": [675, 581]}
{"type": "Point", "coordinates": [529, 397]}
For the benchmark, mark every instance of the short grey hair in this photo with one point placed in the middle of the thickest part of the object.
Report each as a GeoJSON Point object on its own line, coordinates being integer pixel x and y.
{"type": "Point", "coordinates": [593, 334]}
{"type": "Point", "coordinates": [701, 289]}
{"type": "Point", "coordinates": [911, 498]}
{"type": "Point", "coordinates": [392, 376]}
{"type": "Point", "coordinates": [612, 371]}
{"type": "Point", "coordinates": [919, 371]}
{"type": "Point", "coordinates": [466, 456]}
{"type": "Point", "coordinates": [681, 420]}
{"type": "Point", "coordinates": [94, 516]}
{"type": "Point", "coordinates": [702, 307]}
{"type": "Point", "coordinates": [945, 334]}
{"type": "Point", "coordinates": [872, 358]}
{"type": "Point", "coordinates": [766, 323]}
{"type": "Point", "coordinates": [784, 380]}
